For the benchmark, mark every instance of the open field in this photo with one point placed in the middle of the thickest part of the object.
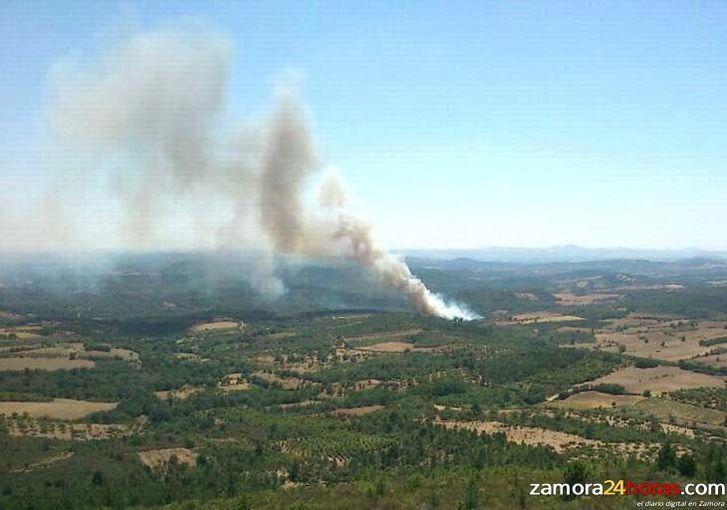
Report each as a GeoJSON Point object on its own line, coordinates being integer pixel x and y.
{"type": "Point", "coordinates": [68, 431]}
{"type": "Point", "coordinates": [233, 382]}
{"type": "Point", "coordinates": [393, 346]}
{"type": "Point", "coordinates": [595, 399]}
{"type": "Point", "coordinates": [366, 384]}
{"type": "Point", "coordinates": [387, 335]}
{"type": "Point", "coordinates": [240, 386]}
{"type": "Point", "coordinates": [572, 329]}
{"type": "Point", "coordinates": [539, 317]}
{"type": "Point", "coordinates": [162, 458]}
{"type": "Point", "coordinates": [215, 327]}
{"type": "Point", "coordinates": [77, 350]}
{"type": "Point", "coordinates": [187, 356]}
{"type": "Point", "coordinates": [559, 441]}
{"type": "Point", "coordinates": [683, 413]}
{"type": "Point", "coordinates": [659, 379]}
{"type": "Point", "coordinates": [182, 393]}
{"type": "Point", "coordinates": [114, 353]}
{"type": "Point", "coordinates": [713, 360]}
{"type": "Point", "coordinates": [357, 411]}
{"type": "Point", "coordinates": [58, 408]}
{"type": "Point", "coordinates": [570, 299]}
{"type": "Point", "coordinates": [49, 364]}
{"type": "Point", "coordinates": [282, 335]}
{"type": "Point", "coordinates": [389, 347]}
{"type": "Point", "coordinates": [19, 333]}
{"type": "Point", "coordinates": [669, 340]}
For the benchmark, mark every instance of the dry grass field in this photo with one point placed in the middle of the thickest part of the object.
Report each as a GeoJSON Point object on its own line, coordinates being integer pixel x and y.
{"type": "Point", "coordinates": [665, 339]}
{"type": "Point", "coordinates": [659, 380]}
{"type": "Point", "coordinates": [357, 411]}
{"type": "Point", "coordinates": [114, 353]}
{"type": "Point", "coordinates": [294, 405]}
{"type": "Point", "coordinates": [366, 384]}
{"type": "Point", "coordinates": [160, 459]}
{"type": "Point", "coordinates": [559, 441]}
{"type": "Point", "coordinates": [182, 393]}
{"type": "Point", "coordinates": [714, 360]}
{"type": "Point", "coordinates": [77, 350]}
{"type": "Point", "coordinates": [215, 327]}
{"type": "Point", "coordinates": [595, 400]}
{"type": "Point", "coordinates": [67, 431]}
{"type": "Point", "coordinates": [58, 408]}
{"type": "Point", "coordinates": [402, 333]}
{"type": "Point", "coordinates": [241, 386]}
{"type": "Point", "coordinates": [301, 364]}
{"type": "Point", "coordinates": [233, 382]}
{"type": "Point", "coordinates": [20, 333]}
{"type": "Point", "coordinates": [280, 335]}
{"type": "Point", "coordinates": [536, 317]}
{"type": "Point", "coordinates": [186, 356]}
{"type": "Point", "coordinates": [682, 413]}
{"type": "Point", "coordinates": [572, 329]}
{"type": "Point", "coordinates": [570, 299]}
{"type": "Point", "coordinates": [389, 347]}
{"type": "Point", "coordinates": [20, 364]}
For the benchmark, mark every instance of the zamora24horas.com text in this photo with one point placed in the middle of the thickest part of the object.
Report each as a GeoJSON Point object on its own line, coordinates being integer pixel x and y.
{"type": "Point", "coordinates": [631, 488]}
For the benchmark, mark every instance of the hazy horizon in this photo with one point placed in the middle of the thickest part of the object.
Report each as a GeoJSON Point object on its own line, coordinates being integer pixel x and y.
{"type": "Point", "coordinates": [556, 252]}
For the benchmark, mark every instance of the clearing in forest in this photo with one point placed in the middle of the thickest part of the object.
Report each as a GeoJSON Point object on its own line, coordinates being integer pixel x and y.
{"type": "Point", "coordinates": [658, 380]}
{"type": "Point", "coordinates": [570, 299]}
{"type": "Point", "coordinates": [233, 382]}
{"type": "Point", "coordinates": [661, 338]}
{"type": "Point", "coordinates": [20, 364]}
{"type": "Point", "coordinates": [536, 317]}
{"type": "Point", "coordinates": [559, 441]}
{"type": "Point", "coordinates": [595, 400]}
{"type": "Point", "coordinates": [162, 458]}
{"type": "Point", "coordinates": [77, 350]}
{"type": "Point", "coordinates": [389, 347]}
{"type": "Point", "coordinates": [217, 326]}
{"type": "Point", "coordinates": [182, 393]}
{"type": "Point", "coordinates": [399, 347]}
{"type": "Point", "coordinates": [58, 408]}
{"type": "Point", "coordinates": [386, 335]}
{"type": "Point", "coordinates": [713, 360]}
{"type": "Point", "coordinates": [357, 411]}
{"type": "Point", "coordinates": [681, 412]}
{"type": "Point", "coordinates": [19, 333]}
{"type": "Point", "coordinates": [67, 431]}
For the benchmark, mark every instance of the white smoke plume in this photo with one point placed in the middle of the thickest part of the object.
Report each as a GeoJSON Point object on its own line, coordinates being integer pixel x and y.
{"type": "Point", "coordinates": [154, 106]}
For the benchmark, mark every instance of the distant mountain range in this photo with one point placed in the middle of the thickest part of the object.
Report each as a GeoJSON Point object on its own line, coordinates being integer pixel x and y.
{"type": "Point", "coordinates": [568, 253]}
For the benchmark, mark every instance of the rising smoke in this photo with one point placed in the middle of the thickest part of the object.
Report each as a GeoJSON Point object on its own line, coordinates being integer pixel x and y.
{"type": "Point", "coordinates": [154, 106]}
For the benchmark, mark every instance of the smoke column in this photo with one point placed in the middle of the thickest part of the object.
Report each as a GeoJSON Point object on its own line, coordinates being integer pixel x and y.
{"type": "Point", "coordinates": [287, 162]}
{"type": "Point", "coordinates": [154, 104]}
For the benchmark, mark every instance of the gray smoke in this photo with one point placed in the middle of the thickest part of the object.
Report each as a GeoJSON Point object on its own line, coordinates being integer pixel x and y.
{"type": "Point", "coordinates": [154, 107]}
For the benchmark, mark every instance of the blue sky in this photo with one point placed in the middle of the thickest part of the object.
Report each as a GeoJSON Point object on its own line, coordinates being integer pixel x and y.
{"type": "Point", "coordinates": [458, 124]}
